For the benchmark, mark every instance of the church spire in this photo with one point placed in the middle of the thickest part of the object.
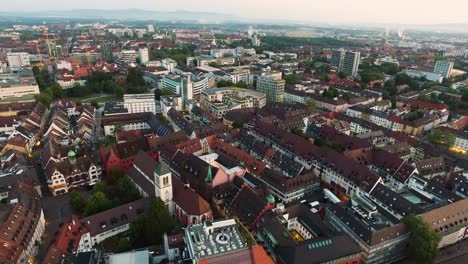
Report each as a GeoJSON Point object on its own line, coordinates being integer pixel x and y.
{"type": "Point", "coordinates": [209, 176]}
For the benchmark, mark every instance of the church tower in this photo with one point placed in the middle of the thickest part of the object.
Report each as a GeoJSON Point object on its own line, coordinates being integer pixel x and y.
{"type": "Point", "coordinates": [163, 185]}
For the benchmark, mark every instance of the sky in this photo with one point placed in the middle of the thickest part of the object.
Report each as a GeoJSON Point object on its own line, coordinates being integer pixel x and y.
{"type": "Point", "coordinates": [328, 11]}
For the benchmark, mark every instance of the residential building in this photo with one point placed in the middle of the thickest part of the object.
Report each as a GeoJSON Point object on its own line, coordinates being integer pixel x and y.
{"type": "Point", "coordinates": [272, 86]}
{"type": "Point", "coordinates": [171, 101]}
{"type": "Point", "coordinates": [109, 223]}
{"type": "Point", "coordinates": [150, 28]}
{"type": "Point", "coordinates": [140, 103]}
{"type": "Point", "coordinates": [18, 60]}
{"type": "Point", "coordinates": [346, 61]}
{"type": "Point", "coordinates": [443, 68]}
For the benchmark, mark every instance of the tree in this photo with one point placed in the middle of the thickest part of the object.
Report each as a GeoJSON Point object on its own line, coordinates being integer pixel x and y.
{"type": "Point", "coordinates": [310, 103]}
{"type": "Point", "coordinates": [98, 202]}
{"type": "Point", "coordinates": [44, 98]}
{"type": "Point", "coordinates": [424, 241]}
{"type": "Point", "coordinates": [77, 202]}
{"type": "Point", "coordinates": [438, 136]}
{"type": "Point", "coordinates": [238, 123]}
{"type": "Point", "coordinates": [291, 79]}
{"type": "Point", "coordinates": [148, 228]}
{"type": "Point", "coordinates": [162, 92]}
{"type": "Point", "coordinates": [224, 83]}
{"type": "Point", "coordinates": [94, 103]}
{"type": "Point", "coordinates": [342, 75]}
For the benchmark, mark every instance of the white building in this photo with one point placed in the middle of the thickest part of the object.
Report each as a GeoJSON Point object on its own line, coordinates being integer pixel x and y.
{"type": "Point", "coordinates": [140, 103]}
{"type": "Point", "coordinates": [346, 61]}
{"type": "Point", "coordinates": [443, 68]}
{"type": "Point", "coordinates": [16, 60]}
{"type": "Point", "coordinates": [128, 56]}
{"type": "Point", "coordinates": [430, 76]}
{"type": "Point", "coordinates": [18, 84]}
{"type": "Point", "coordinates": [150, 28]}
{"type": "Point", "coordinates": [143, 55]}
{"type": "Point", "coordinates": [169, 64]}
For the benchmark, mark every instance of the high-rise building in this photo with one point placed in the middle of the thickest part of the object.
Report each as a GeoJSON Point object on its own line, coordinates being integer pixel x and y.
{"type": "Point", "coordinates": [107, 52]}
{"type": "Point", "coordinates": [16, 60]}
{"type": "Point", "coordinates": [150, 28]}
{"type": "Point", "coordinates": [346, 61]}
{"type": "Point", "coordinates": [143, 55]}
{"type": "Point", "coordinates": [443, 68]}
{"type": "Point", "coordinates": [272, 86]}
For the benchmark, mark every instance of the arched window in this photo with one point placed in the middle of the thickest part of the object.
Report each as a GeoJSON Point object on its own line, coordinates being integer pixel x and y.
{"type": "Point", "coordinates": [194, 220]}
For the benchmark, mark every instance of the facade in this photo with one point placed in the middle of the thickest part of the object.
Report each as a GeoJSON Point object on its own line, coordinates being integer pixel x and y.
{"type": "Point", "coordinates": [186, 85]}
{"type": "Point", "coordinates": [18, 84]}
{"type": "Point", "coordinates": [128, 56]}
{"type": "Point", "coordinates": [72, 173]}
{"type": "Point", "coordinates": [140, 103]}
{"type": "Point", "coordinates": [346, 61]}
{"type": "Point", "coordinates": [273, 88]}
{"type": "Point", "coordinates": [443, 68]}
{"type": "Point", "coordinates": [17, 60]}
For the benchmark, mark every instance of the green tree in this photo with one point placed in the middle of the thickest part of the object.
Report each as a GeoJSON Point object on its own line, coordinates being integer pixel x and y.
{"type": "Point", "coordinates": [77, 202]}
{"type": "Point", "coordinates": [438, 136]}
{"type": "Point", "coordinates": [238, 123]}
{"type": "Point", "coordinates": [148, 228]}
{"type": "Point", "coordinates": [98, 202]}
{"type": "Point", "coordinates": [291, 79]}
{"type": "Point", "coordinates": [44, 98]}
{"type": "Point", "coordinates": [162, 92]}
{"type": "Point", "coordinates": [224, 83]}
{"type": "Point", "coordinates": [94, 103]}
{"type": "Point", "coordinates": [424, 241]}
{"type": "Point", "coordinates": [310, 103]}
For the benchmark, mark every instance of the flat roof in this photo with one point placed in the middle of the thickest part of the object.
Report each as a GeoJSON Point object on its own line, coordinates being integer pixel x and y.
{"type": "Point", "coordinates": [136, 257]}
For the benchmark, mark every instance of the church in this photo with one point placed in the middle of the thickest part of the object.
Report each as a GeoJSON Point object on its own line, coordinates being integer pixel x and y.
{"type": "Point", "coordinates": [154, 179]}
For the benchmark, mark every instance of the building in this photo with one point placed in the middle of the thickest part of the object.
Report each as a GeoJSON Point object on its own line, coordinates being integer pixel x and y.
{"type": "Point", "coordinates": [18, 84]}
{"type": "Point", "coordinates": [430, 76]}
{"type": "Point", "coordinates": [219, 101]}
{"type": "Point", "coordinates": [169, 64]}
{"type": "Point", "coordinates": [143, 55]}
{"type": "Point", "coordinates": [150, 28]}
{"type": "Point", "coordinates": [107, 52]}
{"type": "Point", "coordinates": [171, 101]}
{"type": "Point", "coordinates": [186, 85]}
{"type": "Point", "coordinates": [128, 56]}
{"type": "Point", "coordinates": [23, 221]}
{"type": "Point", "coordinates": [72, 173]}
{"type": "Point", "coordinates": [112, 222]}
{"type": "Point", "coordinates": [154, 179]}
{"type": "Point", "coordinates": [17, 60]}
{"type": "Point", "coordinates": [272, 86]}
{"type": "Point", "coordinates": [140, 103]}
{"type": "Point", "coordinates": [211, 239]}
{"type": "Point", "coordinates": [346, 61]}
{"type": "Point", "coordinates": [443, 68]}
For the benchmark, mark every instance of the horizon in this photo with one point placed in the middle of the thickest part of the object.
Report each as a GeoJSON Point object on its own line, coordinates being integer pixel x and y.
{"type": "Point", "coordinates": [330, 12]}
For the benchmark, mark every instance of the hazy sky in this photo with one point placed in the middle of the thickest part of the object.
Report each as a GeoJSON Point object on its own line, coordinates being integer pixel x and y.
{"type": "Point", "coordinates": [332, 11]}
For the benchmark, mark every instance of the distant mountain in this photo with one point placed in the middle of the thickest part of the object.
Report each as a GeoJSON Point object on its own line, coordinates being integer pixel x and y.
{"type": "Point", "coordinates": [126, 14]}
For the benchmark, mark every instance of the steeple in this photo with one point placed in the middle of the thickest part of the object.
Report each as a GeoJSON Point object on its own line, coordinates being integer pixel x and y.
{"type": "Point", "coordinates": [209, 176]}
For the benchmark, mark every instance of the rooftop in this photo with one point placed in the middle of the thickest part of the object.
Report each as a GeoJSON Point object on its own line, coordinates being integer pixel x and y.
{"type": "Point", "coordinates": [213, 239]}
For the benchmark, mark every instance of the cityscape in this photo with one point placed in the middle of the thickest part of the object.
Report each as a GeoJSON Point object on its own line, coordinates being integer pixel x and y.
{"type": "Point", "coordinates": [248, 133]}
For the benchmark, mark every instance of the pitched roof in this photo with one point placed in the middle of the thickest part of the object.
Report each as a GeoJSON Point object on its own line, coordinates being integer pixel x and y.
{"type": "Point", "coordinates": [247, 205]}
{"type": "Point", "coordinates": [186, 198]}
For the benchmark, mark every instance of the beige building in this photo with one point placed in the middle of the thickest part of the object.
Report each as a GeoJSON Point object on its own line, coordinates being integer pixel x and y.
{"type": "Point", "coordinates": [273, 86]}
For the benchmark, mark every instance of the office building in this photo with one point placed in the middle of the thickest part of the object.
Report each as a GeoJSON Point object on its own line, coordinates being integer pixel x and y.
{"type": "Point", "coordinates": [17, 60]}
{"type": "Point", "coordinates": [107, 52]}
{"type": "Point", "coordinates": [346, 61]}
{"type": "Point", "coordinates": [272, 86]}
{"type": "Point", "coordinates": [18, 84]}
{"type": "Point", "coordinates": [186, 85]}
{"type": "Point", "coordinates": [443, 68]}
{"type": "Point", "coordinates": [128, 56]}
{"type": "Point", "coordinates": [143, 55]}
{"type": "Point", "coordinates": [140, 103]}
